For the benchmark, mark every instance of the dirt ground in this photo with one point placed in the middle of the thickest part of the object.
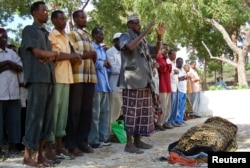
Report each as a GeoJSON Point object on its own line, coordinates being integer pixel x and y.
{"type": "Point", "coordinates": [115, 157]}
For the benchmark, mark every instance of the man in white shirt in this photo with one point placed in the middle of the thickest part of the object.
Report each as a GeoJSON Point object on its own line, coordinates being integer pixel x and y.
{"type": "Point", "coordinates": [170, 123]}
{"type": "Point", "coordinates": [115, 96]}
{"type": "Point", "coordinates": [182, 91]}
{"type": "Point", "coordinates": [10, 105]}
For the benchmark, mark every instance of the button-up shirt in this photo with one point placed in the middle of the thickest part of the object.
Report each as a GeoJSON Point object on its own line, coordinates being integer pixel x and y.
{"type": "Point", "coordinates": [101, 70]}
{"type": "Point", "coordinates": [63, 69]}
{"type": "Point", "coordinates": [194, 76]}
{"type": "Point", "coordinates": [114, 57]}
{"type": "Point", "coordinates": [81, 42]}
{"type": "Point", "coordinates": [164, 74]}
{"type": "Point", "coordinates": [9, 85]}
{"type": "Point", "coordinates": [35, 36]}
{"type": "Point", "coordinates": [173, 77]}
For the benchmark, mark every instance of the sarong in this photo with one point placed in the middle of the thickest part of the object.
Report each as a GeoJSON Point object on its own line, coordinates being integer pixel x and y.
{"type": "Point", "coordinates": [138, 111]}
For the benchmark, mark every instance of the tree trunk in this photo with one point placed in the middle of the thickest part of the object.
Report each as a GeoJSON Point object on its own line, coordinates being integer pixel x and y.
{"type": "Point", "coordinates": [204, 87]}
{"type": "Point", "coordinates": [234, 37]}
{"type": "Point", "coordinates": [242, 70]}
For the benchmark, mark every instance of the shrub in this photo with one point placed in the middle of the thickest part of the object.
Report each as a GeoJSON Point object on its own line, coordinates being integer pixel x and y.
{"type": "Point", "coordinates": [216, 88]}
{"type": "Point", "coordinates": [241, 86]}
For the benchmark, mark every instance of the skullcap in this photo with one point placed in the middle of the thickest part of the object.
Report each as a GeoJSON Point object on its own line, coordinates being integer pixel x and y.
{"type": "Point", "coordinates": [117, 35]}
{"type": "Point", "coordinates": [134, 16]}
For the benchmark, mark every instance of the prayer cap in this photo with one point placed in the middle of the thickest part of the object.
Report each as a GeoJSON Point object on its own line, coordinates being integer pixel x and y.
{"type": "Point", "coordinates": [134, 16]}
{"type": "Point", "coordinates": [117, 35]}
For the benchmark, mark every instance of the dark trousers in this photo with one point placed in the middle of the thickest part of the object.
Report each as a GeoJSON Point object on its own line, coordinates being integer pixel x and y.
{"type": "Point", "coordinates": [39, 120]}
{"type": "Point", "coordinates": [10, 119]}
{"type": "Point", "coordinates": [80, 114]}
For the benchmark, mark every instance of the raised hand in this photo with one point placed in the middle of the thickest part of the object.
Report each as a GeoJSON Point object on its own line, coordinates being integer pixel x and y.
{"type": "Point", "coordinates": [160, 30]}
{"type": "Point", "coordinates": [150, 25]}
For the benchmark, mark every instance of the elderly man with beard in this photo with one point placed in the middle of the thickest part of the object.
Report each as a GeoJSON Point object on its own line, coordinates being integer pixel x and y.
{"type": "Point", "coordinates": [137, 83]}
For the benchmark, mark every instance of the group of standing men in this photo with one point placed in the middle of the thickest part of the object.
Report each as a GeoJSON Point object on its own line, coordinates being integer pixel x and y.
{"type": "Point", "coordinates": [179, 84]}
{"type": "Point", "coordinates": [69, 78]}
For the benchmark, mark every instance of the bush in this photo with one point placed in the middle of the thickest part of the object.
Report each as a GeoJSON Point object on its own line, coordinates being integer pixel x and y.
{"type": "Point", "coordinates": [216, 88]}
{"type": "Point", "coordinates": [241, 86]}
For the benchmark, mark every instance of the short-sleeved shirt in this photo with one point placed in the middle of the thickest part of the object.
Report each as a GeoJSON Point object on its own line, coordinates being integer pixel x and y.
{"type": "Point", "coordinates": [136, 72]}
{"type": "Point", "coordinates": [35, 36]}
{"type": "Point", "coordinates": [102, 72]}
{"type": "Point", "coordinates": [81, 42]}
{"type": "Point", "coordinates": [182, 85]}
{"type": "Point", "coordinates": [173, 77]}
{"type": "Point", "coordinates": [63, 69]}
{"type": "Point", "coordinates": [164, 74]}
{"type": "Point", "coordinates": [194, 76]}
{"type": "Point", "coordinates": [114, 57]}
{"type": "Point", "coordinates": [9, 84]}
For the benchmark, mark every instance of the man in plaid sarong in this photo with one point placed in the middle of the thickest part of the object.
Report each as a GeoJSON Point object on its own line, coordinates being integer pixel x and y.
{"type": "Point", "coordinates": [136, 81]}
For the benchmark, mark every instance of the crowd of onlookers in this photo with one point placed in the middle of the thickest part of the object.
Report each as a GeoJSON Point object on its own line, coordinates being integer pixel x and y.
{"type": "Point", "coordinates": [59, 93]}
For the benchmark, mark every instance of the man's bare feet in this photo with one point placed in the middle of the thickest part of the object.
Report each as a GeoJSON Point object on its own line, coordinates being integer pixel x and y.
{"type": "Point", "coordinates": [142, 145]}
{"type": "Point", "coordinates": [41, 160]}
{"type": "Point", "coordinates": [30, 162]}
{"type": "Point", "coordinates": [130, 148]}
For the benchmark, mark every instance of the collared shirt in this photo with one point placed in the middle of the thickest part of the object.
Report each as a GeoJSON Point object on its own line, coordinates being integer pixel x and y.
{"type": "Point", "coordinates": [173, 77]}
{"type": "Point", "coordinates": [114, 57]}
{"type": "Point", "coordinates": [164, 70]}
{"type": "Point", "coordinates": [182, 85]}
{"type": "Point", "coordinates": [63, 69]}
{"type": "Point", "coordinates": [35, 36]}
{"type": "Point", "coordinates": [9, 85]}
{"type": "Point", "coordinates": [102, 71]}
{"type": "Point", "coordinates": [194, 76]}
{"type": "Point", "coordinates": [81, 43]}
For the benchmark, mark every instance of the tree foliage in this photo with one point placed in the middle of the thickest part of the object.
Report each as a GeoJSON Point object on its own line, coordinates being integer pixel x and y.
{"type": "Point", "coordinates": [189, 22]}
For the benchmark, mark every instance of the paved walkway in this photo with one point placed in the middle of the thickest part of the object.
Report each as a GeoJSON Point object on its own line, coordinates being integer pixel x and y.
{"type": "Point", "coordinates": [114, 156]}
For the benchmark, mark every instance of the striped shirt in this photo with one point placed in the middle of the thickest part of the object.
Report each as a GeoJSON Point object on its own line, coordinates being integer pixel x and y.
{"type": "Point", "coordinates": [81, 43]}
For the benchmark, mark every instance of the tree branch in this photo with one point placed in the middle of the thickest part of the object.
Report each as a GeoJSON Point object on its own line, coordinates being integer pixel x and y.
{"type": "Point", "coordinates": [85, 4]}
{"type": "Point", "coordinates": [219, 27]}
{"type": "Point", "coordinates": [221, 58]}
{"type": "Point", "coordinates": [225, 35]}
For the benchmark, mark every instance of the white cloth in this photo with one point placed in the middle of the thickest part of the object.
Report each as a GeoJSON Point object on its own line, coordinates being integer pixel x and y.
{"type": "Point", "coordinates": [173, 77]}
{"type": "Point", "coordinates": [114, 57]}
{"type": "Point", "coordinates": [9, 85]}
{"type": "Point", "coordinates": [182, 85]}
{"type": "Point", "coordinates": [22, 90]}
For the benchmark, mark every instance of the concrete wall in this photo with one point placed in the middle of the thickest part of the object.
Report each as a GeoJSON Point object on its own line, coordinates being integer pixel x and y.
{"type": "Point", "coordinates": [226, 103]}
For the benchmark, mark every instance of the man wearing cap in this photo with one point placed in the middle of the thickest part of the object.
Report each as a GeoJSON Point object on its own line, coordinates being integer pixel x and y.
{"type": "Point", "coordinates": [10, 105]}
{"type": "Point", "coordinates": [115, 97]}
{"type": "Point", "coordinates": [136, 80]}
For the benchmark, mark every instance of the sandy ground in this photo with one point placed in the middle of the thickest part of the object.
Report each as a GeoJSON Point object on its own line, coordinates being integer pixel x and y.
{"type": "Point", "coordinates": [115, 157]}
